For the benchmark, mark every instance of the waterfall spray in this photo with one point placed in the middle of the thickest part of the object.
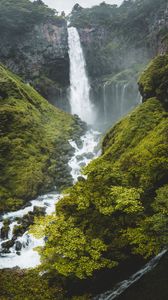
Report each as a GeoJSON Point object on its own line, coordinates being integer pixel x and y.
{"type": "Point", "coordinates": [124, 87]}
{"type": "Point", "coordinates": [105, 102]}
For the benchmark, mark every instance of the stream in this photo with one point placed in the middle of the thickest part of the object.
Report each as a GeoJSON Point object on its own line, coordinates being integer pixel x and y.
{"type": "Point", "coordinates": [125, 284]}
{"type": "Point", "coordinates": [21, 252]}
{"type": "Point", "coordinates": [26, 257]}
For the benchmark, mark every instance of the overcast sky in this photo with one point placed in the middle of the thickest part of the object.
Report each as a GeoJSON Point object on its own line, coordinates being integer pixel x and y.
{"type": "Point", "coordinates": [67, 5]}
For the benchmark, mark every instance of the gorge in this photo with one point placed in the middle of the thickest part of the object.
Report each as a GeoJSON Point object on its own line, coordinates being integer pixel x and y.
{"type": "Point", "coordinates": [17, 250]}
{"type": "Point", "coordinates": [83, 209]}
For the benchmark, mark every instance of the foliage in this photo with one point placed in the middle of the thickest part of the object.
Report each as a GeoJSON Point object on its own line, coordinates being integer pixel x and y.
{"type": "Point", "coordinates": [70, 252]}
{"type": "Point", "coordinates": [121, 208]}
{"type": "Point", "coordinates": [97, 15]}
{"type": "Point", "coordinates": [34, 137]}
{"type": "Point", "coordinates": [153, 82]}
{"type": "Point", "coordinates": [18, 16]}
{"type": "Point", "coordinates": [112, 15]}
{"type": "Point", "coordinates": [117, 37]}
{"type": "Point", "coordinates": [28, 285]}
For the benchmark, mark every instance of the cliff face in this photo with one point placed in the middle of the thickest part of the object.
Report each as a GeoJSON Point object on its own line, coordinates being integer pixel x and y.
{"type": "Point", "coordinates": [113, 65]}
{"type": "Point", "coordinates": [108, 53]}
{"type": "Point", "coordinates": [118, 42]}
{"type": "Point", "coordinates": [40, 57]}
{"type": "Point", "coordinates": [116, 38]}
{"type": "Point", "coordinates": [159, 32]}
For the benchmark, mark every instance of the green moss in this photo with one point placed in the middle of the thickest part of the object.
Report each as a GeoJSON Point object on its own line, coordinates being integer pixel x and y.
{"type": "Point", "coordinates": [128, 75]}
{"type": "Point", "coordinates": [28, 285]}
{"type": "Point", "coordinates": [117, 203]}
{"type": "Point", "coordinates": [31, 132]}
{"type": "Point", "coordinates": [153, 82]}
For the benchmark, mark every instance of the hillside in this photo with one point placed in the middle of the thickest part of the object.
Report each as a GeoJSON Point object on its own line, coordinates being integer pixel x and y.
{"type": "Point", "coordinates": [34, 143]}
{"type": "Point", "coordinates": [101, 208]}
{"type": "Point", "coordinates": [120, 211]}
{"type": "Point", "coordinates": [34, 45]}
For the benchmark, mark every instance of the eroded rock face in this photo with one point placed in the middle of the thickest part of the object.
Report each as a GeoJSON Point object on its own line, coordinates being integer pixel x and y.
{"type": "Point", "coordinates": [110, 53]}
{"type": "Point", "coordinates": [41, 58]}
{"type": "Point", "coordinates": [116, 53]}
{"type": "Point", "coordinates": [159, 33]}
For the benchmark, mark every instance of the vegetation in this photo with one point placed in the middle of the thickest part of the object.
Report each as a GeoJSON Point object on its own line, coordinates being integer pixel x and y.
{"type": "Point", "coordinates": [19, 285]}
{"type": "Point", "coordinates": [34, 143]}
{"type": "Point", "coordinates": [119, 37]}
{"type": "Point", "coordinates": [19, 16]}
{"type": "Point", "coordinates": [121, 208]}
{"type": "Point", "coordinates": [128, 12]}
{"type": "Point", "coordinates": [153, 82]}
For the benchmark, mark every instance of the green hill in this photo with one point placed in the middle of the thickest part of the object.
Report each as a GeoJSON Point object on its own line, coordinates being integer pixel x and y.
{"type": "Point", "coordinates": [34, 143]}
{"type": "Point", "coordinates": [121, 209]}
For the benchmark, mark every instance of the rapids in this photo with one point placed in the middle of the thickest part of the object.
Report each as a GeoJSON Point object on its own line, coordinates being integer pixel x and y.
{"type": "Point", "coordinates": [27, 257]}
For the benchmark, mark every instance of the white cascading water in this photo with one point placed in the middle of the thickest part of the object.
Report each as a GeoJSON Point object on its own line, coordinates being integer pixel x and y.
{"type": "Point", "coordinates": [79, 83]}
{"type": "Point", "coordinates": [27, 257]}
{"type": "Point", "coordinates": [124, 285]}
{"type": "Point", "coordinates": [80, 105]}
{"type": "Point", "coordinates": [105, 103]}
{"type": "Point", "coordinates": [123, 98]}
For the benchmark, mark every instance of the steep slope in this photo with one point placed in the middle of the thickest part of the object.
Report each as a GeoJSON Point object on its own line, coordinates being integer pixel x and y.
{"type": "Point", "coordinates": [117, 38]}
{"type": "Point", "coordinates": [154, 81]}
{"type": "Point", "coordinates": [118, 42]}
{"type": "Point", "coordinates": [120, 210]}
{"type": "Point", "coordinates": [34, 142]}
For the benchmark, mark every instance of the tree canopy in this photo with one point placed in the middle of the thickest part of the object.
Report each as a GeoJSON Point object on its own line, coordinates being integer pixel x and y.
{"type": "Point", "coordinates": [18, 16]}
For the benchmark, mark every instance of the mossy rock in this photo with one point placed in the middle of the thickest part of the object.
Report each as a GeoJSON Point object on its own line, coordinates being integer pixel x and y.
{"type": "Point", "coordinates": [5, 230]}
{"type": "Point", "coordinates": [154, 80]}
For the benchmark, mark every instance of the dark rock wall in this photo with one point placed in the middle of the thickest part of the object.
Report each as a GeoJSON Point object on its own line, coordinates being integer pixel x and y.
{"type": "Point", "coordinates": [41, 58]}
{"type": "Point", "coordinates": [115, 57]}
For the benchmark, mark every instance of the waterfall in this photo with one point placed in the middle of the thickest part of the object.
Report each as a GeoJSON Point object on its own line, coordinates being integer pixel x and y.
{"type": "Point", "coordinates": [123, 98]}
{"type": "Point", "coordinates": [124, 285]}
{"type": "Point", "coordinates": [26, 257]}
{"type": "Point", "coordinates": [105, 102]}
{"type": "Point", "coordinates": [117, 92]}
{"type": "Point", "coordinates": [79, 84]}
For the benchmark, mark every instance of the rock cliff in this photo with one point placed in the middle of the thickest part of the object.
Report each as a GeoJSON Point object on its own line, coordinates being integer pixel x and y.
{"type": "Point", "coordinates": [118, 42]}
{"type": "Point", "coordinates": [40, 56]}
